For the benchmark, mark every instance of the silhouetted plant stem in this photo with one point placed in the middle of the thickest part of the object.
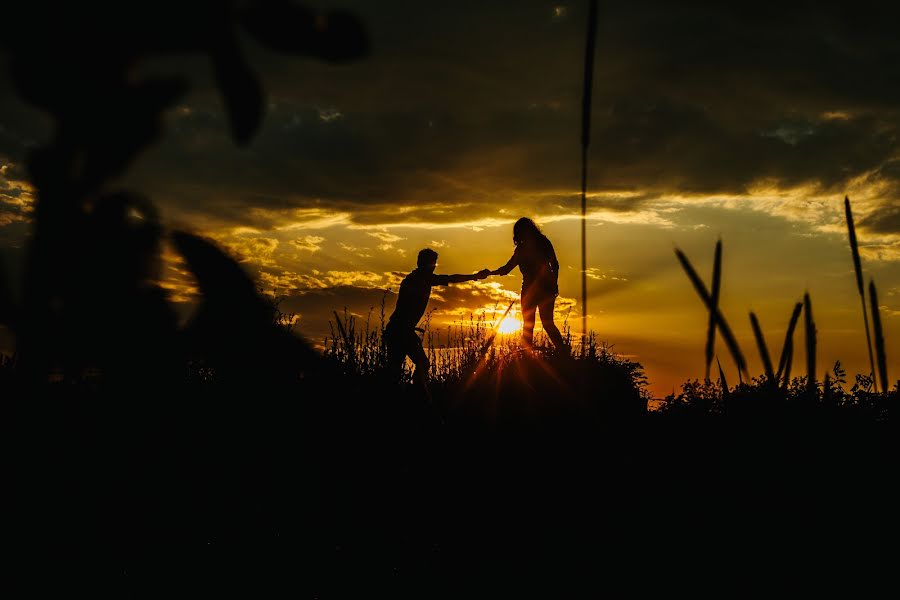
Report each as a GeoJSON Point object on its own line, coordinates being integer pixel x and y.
{"type": "Point", "coordinates": [788, 340]}
{"type": "Point", "coordinates": [343, 332]}
{"type": "Point", "coordinates": [788, 359]}
{"type": "Point", "coordinates": [879, 337]}
{"type": "Point", "coordinates": [590, 43]}
{"type": "Point", "coordinates": [722, 379]}
{"type": "Point", "coordinates": [857, 266]}
{"type": "Point", "coordinates": [722, 323]}
{"type": "Point", "coordinates": [493, 334]}
{"type": "Point", "coordinates": [714, 300]}
{"type": "Point", "coordinates": [763, 349]}
{"type": "Point", "coordinates": [810, 345]}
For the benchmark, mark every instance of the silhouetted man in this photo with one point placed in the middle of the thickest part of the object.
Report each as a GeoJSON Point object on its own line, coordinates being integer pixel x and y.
{"type": "Point", "coordinates": [415, 290]}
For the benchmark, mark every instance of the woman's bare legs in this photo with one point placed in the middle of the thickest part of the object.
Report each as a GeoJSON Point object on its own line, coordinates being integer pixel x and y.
{"type": "Point", "coordinates": [532, 301]}
{"type": "Point", "coordinates": [529, 310]}
{"type": "Point", "coordinates": [550, 328]}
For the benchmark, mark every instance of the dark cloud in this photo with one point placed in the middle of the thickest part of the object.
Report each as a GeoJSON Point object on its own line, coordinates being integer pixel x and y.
{"type": "Point", "coordinates": [466, 105]}
{"type": "Point", "coordinates": [884, 220]}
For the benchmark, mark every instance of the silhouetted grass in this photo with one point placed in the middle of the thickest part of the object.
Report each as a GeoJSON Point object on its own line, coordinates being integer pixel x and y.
{"type": "Point", "coordinates": [787, 350]}
{"type": "Point", "coordinates": [356, 352]}
{"type": "Point", "coordinates": [480, 373]}
{"type": "Point", "coordinates": [857, 267]}
{"type": "Point", "coordinates": [710, 397]}
{"type": "Point", "coordinates": [810, 343]}
{"type": "Point", "coordinates": [714, 304]}
{"type": "Point", "coordinates": [763, 349]}
{"type": "Point", "coordinates": [715, 313]}
{"type": "Point", "coordinates": [798, 401]}
{"type": "Point", "coordinates": [879, 336]}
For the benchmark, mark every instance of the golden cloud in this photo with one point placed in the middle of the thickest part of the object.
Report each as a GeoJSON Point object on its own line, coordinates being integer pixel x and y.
{"type": "Point", "coordinates": [357, 278]}
{"type": "Point", "coordinates": [289, 281]}
{"type": "Point", "coordinates": [302, 218]}
{"type": "Point", "coordinates": [308, 243]}
{"type": "Point", "coordinates": [387, 238]}
{"type": "Point", "coordinates": [360, 252]}
{"type": "Point", "coordinates": [256, 250]}
{"type": "Point", "coordinates": [16, 195]}
{"type": "Point", "coordinates": [177, 279]}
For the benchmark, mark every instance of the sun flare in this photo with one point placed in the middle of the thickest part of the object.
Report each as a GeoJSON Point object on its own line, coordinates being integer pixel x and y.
{"type": "Point", "coordinates": [509, 325]}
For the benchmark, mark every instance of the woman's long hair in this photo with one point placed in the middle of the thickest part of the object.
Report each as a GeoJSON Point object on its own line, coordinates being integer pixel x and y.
{"type": "Point", "coordinates": [524, 228]}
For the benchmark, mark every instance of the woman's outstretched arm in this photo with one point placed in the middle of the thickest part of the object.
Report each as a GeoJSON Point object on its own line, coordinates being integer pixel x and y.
{"type": "Point", "coordinates": [509, 266]}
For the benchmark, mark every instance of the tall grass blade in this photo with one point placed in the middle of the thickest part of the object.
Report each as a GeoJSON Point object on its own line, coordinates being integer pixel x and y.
{"type": "Point", "coordinates": [722, 324]}
{"type": "Point", "coordinates": [722, 379]}
{"type": "Point", "coordinates": [810, 345]}
{"type": "Point", "coordinates": [854, 247]}
{"type": "Point", "coordinates": [763, 349]}
{"type": "Point", "coordinates": [589, 46]}
{"type": "Point", "coordinates": [493, 334]}
{"type": "Point", "coordinates": [789, 357]}
{"type": "Point", "coordinates": [879, 337]}
{"type": "Point", "coordinates": [714, 300]}
{"type": "Point", "coordinates": [341, 330]}
{"type": "Point", "coordinates": [857, 266]}
{"type": "Point", "coordinates": [788, 338]}
{"type": "Point", "coordinates": [485, 346]}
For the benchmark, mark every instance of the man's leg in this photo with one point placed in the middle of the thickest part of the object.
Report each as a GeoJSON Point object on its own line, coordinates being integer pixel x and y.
{"type": "Point", "coordinates": [396, 354]}
{"type": "Point", "coordinates": [420, 359]}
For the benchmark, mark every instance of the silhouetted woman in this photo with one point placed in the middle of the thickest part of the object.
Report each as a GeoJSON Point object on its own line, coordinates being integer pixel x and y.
{"type": "Point", "coordinates": [536, 260]}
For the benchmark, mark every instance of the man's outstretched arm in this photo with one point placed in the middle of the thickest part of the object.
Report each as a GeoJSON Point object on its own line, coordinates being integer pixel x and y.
{"type": "Point", "coordinates": [459, 278]}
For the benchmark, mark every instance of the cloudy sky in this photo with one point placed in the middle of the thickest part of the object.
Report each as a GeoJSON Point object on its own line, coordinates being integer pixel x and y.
{"type": "Point", "coordinates": [748, 122]}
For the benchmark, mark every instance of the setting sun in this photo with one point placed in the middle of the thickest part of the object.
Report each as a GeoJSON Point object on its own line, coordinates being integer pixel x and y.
{"type": "Point", "coordinates": [509, 325]}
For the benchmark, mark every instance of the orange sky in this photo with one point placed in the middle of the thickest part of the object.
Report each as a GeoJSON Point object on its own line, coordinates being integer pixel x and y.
{"type": "Point", "coordinates": [640, 301]}
{"type": "Point", "coordinates": [466, 117]}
